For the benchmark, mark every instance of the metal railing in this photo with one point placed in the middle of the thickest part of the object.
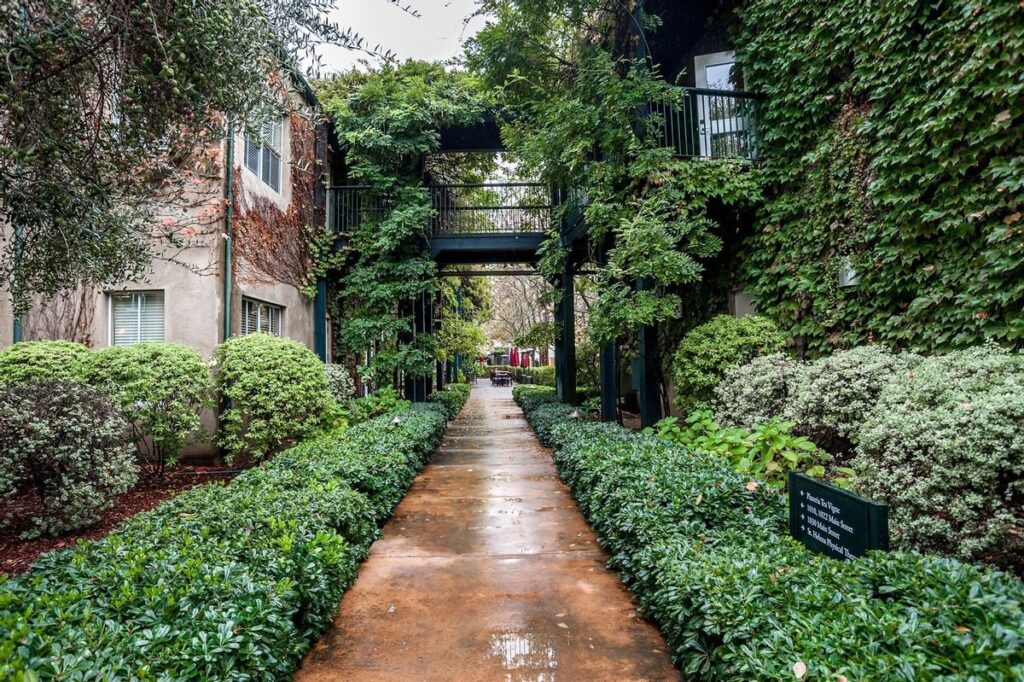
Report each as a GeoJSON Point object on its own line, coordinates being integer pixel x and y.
{"type": "Point", "coordinates": [353, 205]}
{"type": "Point", "coordinates": [490, 208]}
{"type": "Point", "coordinates": [711, 124]}
{"type": "Point", "coordinates": [484, 208]}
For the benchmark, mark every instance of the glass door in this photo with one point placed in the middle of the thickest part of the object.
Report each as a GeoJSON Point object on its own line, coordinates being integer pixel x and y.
{"type": "Point", "coordinates": [722, 120]}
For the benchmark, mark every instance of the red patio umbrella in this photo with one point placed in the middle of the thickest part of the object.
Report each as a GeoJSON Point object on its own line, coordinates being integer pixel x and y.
{"type": "Point", "coordinates": [524, 361]}
{"type": "Point", "coordinates": [513, 358]}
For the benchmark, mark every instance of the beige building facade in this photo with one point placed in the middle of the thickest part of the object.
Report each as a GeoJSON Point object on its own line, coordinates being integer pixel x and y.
{"type": "Point", "coordinates": [215, 255]}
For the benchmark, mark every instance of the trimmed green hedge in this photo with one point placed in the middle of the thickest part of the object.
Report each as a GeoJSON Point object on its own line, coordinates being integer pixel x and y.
{"type": "Point", "coordinates": [225, 582]}
{"type": "Point", "coordinates": [453, 398]}
{"type": "Point", "coordinates": [708, 554]}
{"type": "Point", "coordinates": [30, 360]}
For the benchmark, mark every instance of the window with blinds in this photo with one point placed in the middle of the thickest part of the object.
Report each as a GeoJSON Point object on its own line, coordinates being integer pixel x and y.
{"type": "Point", "coordinates": [258, 316]}
{"type": "Point", "coordinates": [263, 152]}
{"type": "Point", "coordinates": [136, 317]}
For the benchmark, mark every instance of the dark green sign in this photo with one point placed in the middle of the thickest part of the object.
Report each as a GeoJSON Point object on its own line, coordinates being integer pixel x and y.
{"type": "Point", "coordinates": [832, 521]}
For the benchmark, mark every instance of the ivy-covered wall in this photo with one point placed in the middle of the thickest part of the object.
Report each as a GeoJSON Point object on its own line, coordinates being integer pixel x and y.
{"type": "Point", "coordinates": [892, 137]}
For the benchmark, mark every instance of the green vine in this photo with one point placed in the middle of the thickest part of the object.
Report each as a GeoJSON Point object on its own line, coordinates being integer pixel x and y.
{"type": "Point", "coordinates": [578, 96]}
{"type": "Point", "coordinates": [388, 122]}
{"type": "Point", "coordinates": [893, 143]}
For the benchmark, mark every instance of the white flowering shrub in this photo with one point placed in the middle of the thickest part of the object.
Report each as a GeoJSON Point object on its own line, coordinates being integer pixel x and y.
{"type": "Point", "coordinates": [944, 447]}
{"type": "Point", "coordinates": [829, 398]}
{"type": "Point", "coordinates": [340, 383]}
{"type": "Point", "coordinates": [756, 392]}
{"type": "Point", "coordinates": [67, 443]}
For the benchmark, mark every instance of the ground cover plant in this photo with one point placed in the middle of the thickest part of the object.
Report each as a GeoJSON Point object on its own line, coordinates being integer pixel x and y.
{"type": "Point", "coordinates": [706, 551]}
{"type": "Point", "coordinates": [767, 452]}
{"type": "Point", "coordinates": [227, 582]}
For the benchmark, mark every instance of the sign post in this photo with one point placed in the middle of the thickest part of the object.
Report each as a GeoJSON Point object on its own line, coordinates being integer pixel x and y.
{"type": "Point", "coordinates": [834, 522]}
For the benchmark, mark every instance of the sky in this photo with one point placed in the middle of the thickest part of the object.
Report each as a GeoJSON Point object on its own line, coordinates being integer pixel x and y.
{"type": "Point", "coordinates": [435, 35]}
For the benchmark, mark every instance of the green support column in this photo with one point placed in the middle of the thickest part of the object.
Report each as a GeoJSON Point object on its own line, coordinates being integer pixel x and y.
{"type": "Point", "coordinates": [458, 356]}
{"type": "Point", "coordinates": [609, 364]}
{"type": "Point", "coordinates": [428, 328]}
{"type": "Point", "coordinates": [320, 320]}
{"type": "Point", "coordinates": [439, 366]}
{"type": "Point", "coordinates": [648, 368]}
{"type": "Point", "coordinates": [610, 382]}
{"type": "Point", "coordinates": [565, 341]}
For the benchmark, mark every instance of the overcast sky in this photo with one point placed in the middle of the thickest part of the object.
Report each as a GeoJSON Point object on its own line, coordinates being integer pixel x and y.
{"type": "Point", "coordinates": [436, 35]}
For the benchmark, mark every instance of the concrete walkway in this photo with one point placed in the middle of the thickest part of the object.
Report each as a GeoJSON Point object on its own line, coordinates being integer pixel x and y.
{"type": "Point", "coordinates": [488, 571]}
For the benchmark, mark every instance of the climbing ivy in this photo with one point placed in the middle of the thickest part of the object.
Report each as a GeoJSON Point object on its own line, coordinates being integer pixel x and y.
{"type": "Point", "coordinates": [891, 137]}
{"type": "Point", "coordinates": [577, 88]}
{"type": "Point", "coordinates": [388, 121]}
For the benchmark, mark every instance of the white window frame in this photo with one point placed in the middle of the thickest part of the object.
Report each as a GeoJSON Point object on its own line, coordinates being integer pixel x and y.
{"type": "Point", "coordinates": [248, 301]}
{"type": "Point", "coordinates": [142, 292]}
{"type": "Point", "coordinates": [709, 122]}
{"type": "Point", "coordinates": [269, 156]}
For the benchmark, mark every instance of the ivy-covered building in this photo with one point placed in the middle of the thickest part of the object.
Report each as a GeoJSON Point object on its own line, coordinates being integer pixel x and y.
{"type": "Point", "coordinates": [231, 251]}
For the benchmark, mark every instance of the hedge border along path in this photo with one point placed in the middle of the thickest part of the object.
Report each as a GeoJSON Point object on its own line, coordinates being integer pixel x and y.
{"type": "Point", "coordinates": [708, 555]}
{"type": "Point", "coordinates": [221, 582]}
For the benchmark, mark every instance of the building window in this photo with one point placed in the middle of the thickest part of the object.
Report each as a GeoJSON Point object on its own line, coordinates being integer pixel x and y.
{"type": "Point", "coordinates": [136, 317]}
{"type": "Point", "coordinates": [263, 152]}
{"type": "Point", "coordinates": [258, 316]}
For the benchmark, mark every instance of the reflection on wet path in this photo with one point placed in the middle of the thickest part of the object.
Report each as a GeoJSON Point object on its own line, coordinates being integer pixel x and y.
{"type": "Point", "coordinates": [488, 572]}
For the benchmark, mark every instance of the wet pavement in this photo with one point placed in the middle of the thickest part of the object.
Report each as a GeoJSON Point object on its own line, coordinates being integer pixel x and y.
{"type": "Point", "coordinates": [488, 571]}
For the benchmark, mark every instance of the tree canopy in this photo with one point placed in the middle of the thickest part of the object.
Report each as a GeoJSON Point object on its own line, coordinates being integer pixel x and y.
{"type": "Point", "coordinates": [108, 106]}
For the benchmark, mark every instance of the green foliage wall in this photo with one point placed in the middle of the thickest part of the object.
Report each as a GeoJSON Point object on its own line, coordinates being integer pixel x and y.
{"type": "Point", "coordinates": [388, 121]}
{"type": "Point", "coordinates": [892, 137]}
{"type": "Point", "coordinates": [570, 75]}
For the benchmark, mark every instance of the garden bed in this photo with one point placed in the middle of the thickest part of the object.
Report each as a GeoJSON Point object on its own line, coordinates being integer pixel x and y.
{"type": "Point", "coordinates": [707, 552]}
{"type": "Point", "coordinates": [18, 554]}
{"type": "Point", "coordinates": [223, 581]}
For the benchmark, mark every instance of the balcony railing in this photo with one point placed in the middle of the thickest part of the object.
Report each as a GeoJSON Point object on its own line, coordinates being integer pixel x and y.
{"type": "Point", "coordinates": [503, 208]}
{"type": "Point", "coordinates": [485, 208]}
{"type": "Point", "coordinates": [711, 124]}
{"type": "Point", "coordinates": [353, 205]}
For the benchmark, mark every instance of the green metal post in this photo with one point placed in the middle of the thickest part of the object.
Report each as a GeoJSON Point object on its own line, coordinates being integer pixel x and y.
{"type": "Point", "coordinates": [648, 368]}
{"type": "Point", "coordinates": [458, 316]}
{"type": "Point", "coordinates": [565, 341]}
{"type": "Point", "coordinates": [19, 238]}
{"type": "Point", "coordinates": [229, 214]}
{"type": "Point", "coordinates": [320, 320]}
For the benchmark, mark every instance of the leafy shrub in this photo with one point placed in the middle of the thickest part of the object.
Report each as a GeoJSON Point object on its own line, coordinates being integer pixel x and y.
{"type": "Point", "coordinates": [275, 391]}
{"type": "Point", "coordinates": [224, 582]}
{"type": "Point", "coordinates": [768, 452]}
{"type": "Point", "coordinates": [40, 360]}
{"type": "Point", "coordinates": [162, 388]}
{"type": "Point", "coordinates": [706, 551]}
{"type": "Point", "coordinates": [945, 449]}
{"type": "Point", "coordinates": [830, 398]}
{"type": "Point", "coordinates": [756, 392]}
{"type": "Point", "coordinates": [709, 350]}
{"type": "Point", "coordinates": [453, 398]}
{"type": "Point", "coordinates": [380, 402]}
{"type": "Point", "coordinates": [65, 441]}
{"type": "Point", "coordinates": [340, 383]}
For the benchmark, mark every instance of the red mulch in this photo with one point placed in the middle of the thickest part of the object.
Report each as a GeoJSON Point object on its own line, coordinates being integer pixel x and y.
{"type": "Point", "coordinates": [16, 555]}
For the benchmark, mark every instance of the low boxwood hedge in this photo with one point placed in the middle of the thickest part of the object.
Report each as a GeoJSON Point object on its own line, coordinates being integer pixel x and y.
{"type": "Point", "coordinates": [224, 582]}
{"type": "Point", "coordinates": [707, 553]}
{"type": "Point", "coordinates": [453, 398]}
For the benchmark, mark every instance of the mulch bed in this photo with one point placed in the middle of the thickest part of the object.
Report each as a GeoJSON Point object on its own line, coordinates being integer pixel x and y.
{"type": "Point", "coordinates": [16, 555]}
